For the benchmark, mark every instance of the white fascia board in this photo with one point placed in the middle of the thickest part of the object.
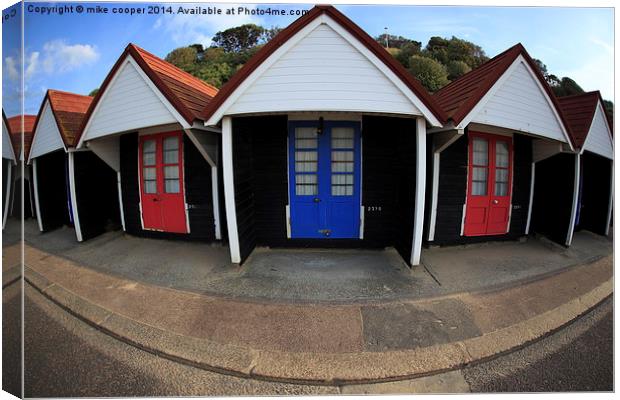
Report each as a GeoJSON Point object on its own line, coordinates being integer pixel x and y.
{"type": "Point", "coordinates": [485, 99]}
{"type": "Point", "coordinates": [151, 85]}
{"type": "Point", "coordinates": [276, 55]}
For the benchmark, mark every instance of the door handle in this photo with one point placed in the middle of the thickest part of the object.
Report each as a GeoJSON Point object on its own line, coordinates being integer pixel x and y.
{"type": "Point", "coordinates": [317, 200]}
{"type": "Point", "coordinates": [155, 199]}
{"type": "Point", "coordinates": [495, 201]}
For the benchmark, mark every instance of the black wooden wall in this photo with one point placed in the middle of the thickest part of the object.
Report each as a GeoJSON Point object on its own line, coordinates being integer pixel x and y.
{"type": "Point", "coordinates": [52, 190]}
{"type": "Point", "coordinates": [96, 194]}
{"type": "Point", "coordinates": [553, 197]}
{"type": "Point", "coordinates": [16, 189]}
{"type": "Point", "coordinates": [261, 184]}
{"type": "Point", "coordinates": [198, 194]}
{"type": "Point", "coordinates": [453, 191]}
{"type": "Point", "coordinates": [596, 171]}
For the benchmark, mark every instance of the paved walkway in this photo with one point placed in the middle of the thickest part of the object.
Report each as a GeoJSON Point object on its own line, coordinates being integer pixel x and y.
{"type": "Point", "coordinates": [317, 276]}
{"type": "Point", "coordinates": [321, 343]}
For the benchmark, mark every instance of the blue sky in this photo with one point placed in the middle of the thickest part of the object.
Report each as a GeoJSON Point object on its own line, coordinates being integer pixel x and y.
{"type": "Point", "coordinates": [74, 52]}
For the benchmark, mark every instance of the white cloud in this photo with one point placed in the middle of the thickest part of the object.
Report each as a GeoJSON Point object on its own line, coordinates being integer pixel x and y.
{"type": "Point", "coordinates": [186, 29]}
{"type": "Point", "coordinates": [59, 57]}
{"type": "Point", "coordinates": [32, 64]}
{"type": "Point", "coordinates": [11, 68]}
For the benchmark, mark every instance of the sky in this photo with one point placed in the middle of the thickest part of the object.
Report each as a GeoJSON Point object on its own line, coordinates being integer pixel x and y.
{"type": "Point", "coordinates": [75, 51]}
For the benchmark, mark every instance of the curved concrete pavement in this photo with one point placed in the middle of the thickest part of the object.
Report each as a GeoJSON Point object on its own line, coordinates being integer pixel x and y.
{"type": "Point", "coordinates": [318, 343]}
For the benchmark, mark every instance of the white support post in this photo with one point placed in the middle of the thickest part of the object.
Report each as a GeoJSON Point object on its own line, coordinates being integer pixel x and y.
{"type": "Point", "coordinates": [9, 180]}
{"type": "Point", "coordinates": [573, 217]}
{"type": "Point", "coordinates": [35, 182]}
{"type": "Point", "coordinates": [420, 189]}
{"type": "Point", "coordinates": [74, 207]}
{"type": "Point", "coordinates": [216, 203]}
{"type": "Point", "coordinates": [434, 194]}
{"type": "Point", "coordinates": [530, 205]}
{"type": "Point", "coordinates": [611, 200]}
{"type": "Point", "coordinates": [229, 189]}
{"type": "Point", "coordinates": [120, 198]}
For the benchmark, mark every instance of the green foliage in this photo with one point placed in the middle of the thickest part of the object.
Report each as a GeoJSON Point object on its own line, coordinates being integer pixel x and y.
{"type": "Point", "coordinates": [609, 108]}
{"type": "Point", "coordinates": [456, 69]}
{"type": "Point", "coordinates": [184, 57]}
{"type": "Point", "coordinates": [566, 87]}
{"type": "Point", "coordinates": [93, 92]}
{"type": "Point", "coordinates": [406, 51]}
{"type": "Point", "coordinates": [397, 42]}
{"type": "Point", "coordinates": [432, 74]}
{"type": "Point", "coordinates": [455, 49]}
{"type": "Point", "coordinates": [239, 38]}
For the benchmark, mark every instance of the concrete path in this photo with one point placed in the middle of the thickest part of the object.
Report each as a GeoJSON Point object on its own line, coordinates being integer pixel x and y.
{"type": "Point", "coordinates": [322, 343]}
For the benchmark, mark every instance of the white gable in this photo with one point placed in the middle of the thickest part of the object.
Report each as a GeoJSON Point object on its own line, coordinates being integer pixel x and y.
{"type": "Point", "coordinates": [7, 146]}
{"type": "Point", "coordinates": [519, 102]}
{"type": "Point", "coordinates": [131, 101]}
{"type": "Point", "coordinates": [599, 137]}
{"type": "Point", "coordinates": [323, 68]}
{"type": "Point", "coordinates": [47, 136]}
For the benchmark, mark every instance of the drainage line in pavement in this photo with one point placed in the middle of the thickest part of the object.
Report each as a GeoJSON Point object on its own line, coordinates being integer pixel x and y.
{"type": "Point", "coordinates": [12, 281]}
{"type": "Point", "coordinates": [427, 269]}
{"type": "Point", "coordinates": [332, 383]}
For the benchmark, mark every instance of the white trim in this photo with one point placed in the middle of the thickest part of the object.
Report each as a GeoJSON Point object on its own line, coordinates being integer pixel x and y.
{"type": "Point", "coordinates": [420, 191]}
{"type": "Point", "coordinates": [511, 167]}
{"type": "Point", "coordinates": [485, 99]}
{"type": "Point", "coordinates": [326, 115]}
{"type": "Point", "coordinates": [37, 206]}
{"type": "Point", "coordinates": [530, 205]}
{"type": "Point", "coordinates": [32, 210]}
{"type": "Point", "coordinates": [229, 190]}
{"type": "Point", "coordinates": [216, 203]}
{"type": "Point", "coordinates": [182, 145]}
{"type": "Point", "coordinates": [573, 217]}
{"type": "Point", "coordinates": [288, 221]}
{"type": "Point", "coordinates": [34, 137]}
{"type": "Point", "coordinates": [129, 60]}
{"type": "Point", "coordinates": [361, 236]}
{"type": "Point", "coordinates": [611, 200]}
{"type": "Point", "coordinates": [288, 186]}
{"type": "Point", "coordinates": [7, 198]}
{"type": "Point", "coordinates": [601, 109]}
{"type": "Point", "coordinates": [201, 149]}
{"type": "Point", "coordinates": [74, 208]}
{"type": "Point", "coordinates": [287, 45]}
{"type": "Point", "coordinates": [120, 198]}
{"type": "Point", "coordinates": [435, 183]}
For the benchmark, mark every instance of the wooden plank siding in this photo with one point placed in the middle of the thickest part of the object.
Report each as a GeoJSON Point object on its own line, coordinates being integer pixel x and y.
{"type": "Point", "coordinates": [197, 192]}
{"type": "Point", "coordinates": [596, 178]}
{"type": "Point", "coordinates": [52, 190]}
{"type": "Point", "coordinates": [553, 197]}
{"type": "Point", "coordinates": [96, 195]}
{"type": "Point", "coordinates": [261, 184]}
{"type": "Point", "coordinates": [453, 190]}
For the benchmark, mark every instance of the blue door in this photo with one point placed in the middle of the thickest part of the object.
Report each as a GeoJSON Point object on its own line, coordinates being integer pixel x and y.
{"type": "Point", "coordinates": [324, 179]}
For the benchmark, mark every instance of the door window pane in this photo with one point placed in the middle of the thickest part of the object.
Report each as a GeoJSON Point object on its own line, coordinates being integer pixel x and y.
{"type": "Point", "coordinates": [306, 138]}
{"type": "Point", "coordinates": [149, 176]}
{"type": "Point", "coordinates": [501, 182]}
{"type": "Point", "coordinates": [171, 179]}
{"type": "Point", "coordinates": [479, 181]}
{"type": "Point", "coordinates": [306, 161]}
{"type": "Point", "coordinates": [342, 138]}
{"type": "Point", "coordinates": [501, 154]}
{"type": "Point", "coordinates": [342, 161]}
{"type": "Point", "coordinates": [148, 152]}
{"type": "Point", "coordinates": [480, 152]}
{"type": "Point", "coordinates": [342, 185]}
{"type": "Point", "coordinates": [306, 185]}
{"type": "Point", "coordinates": [171, 150]}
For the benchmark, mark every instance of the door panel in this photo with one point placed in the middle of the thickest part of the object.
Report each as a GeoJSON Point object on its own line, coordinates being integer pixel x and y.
{"type": "Point", "coordinates": [324, 176]}
{"type": "Point", "coordinates": [161, 182]}
{"type": "Point", "coordinates": [489, 185]}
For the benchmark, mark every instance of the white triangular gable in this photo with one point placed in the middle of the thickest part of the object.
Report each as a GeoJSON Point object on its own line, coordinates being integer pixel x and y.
{"type": "Point", "coordinates": [518, 102]}
{"type": "Point", "coordinates": [7, 146]}
{"type": "Point", "coordinates": [323, 68]}
{"type": "Point", "coordinates": [131, 101]}
{"type": "Point", "coordinates": [599, 139]}
{"type": "Point", "coordinates": [47, 135]}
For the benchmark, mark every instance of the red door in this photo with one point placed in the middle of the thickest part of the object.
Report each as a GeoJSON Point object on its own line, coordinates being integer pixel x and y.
{"type": "Point", "coordinates": [161, 182]}
{"type": "Point", "coordinates": [489, 186]}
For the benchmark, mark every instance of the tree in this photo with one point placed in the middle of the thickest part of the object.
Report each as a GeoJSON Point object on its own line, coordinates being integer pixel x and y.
{"type": "Point", "coordinates": [239, 38]}
{"type": "Point", "coordinates": [184, 58]}
{"type": "Point", "coordinates": [406, 51]}
{"type": "Point", "coordinates": [567, 87]}
{"type": "Point", "coordinates": [455, 49]}
{"type": "Point", "coordinates": [432, 74]}
{"type": "Point", "coordinates": [457, 69]}
{"type": "Point", "coordinates": [270, 33]}
{"type": "Point", "coordinates": [394, 41]}
{"type": "Point", "coordinates": [93, 92]}
{"type": "Point", "coordinates": [609, 108]}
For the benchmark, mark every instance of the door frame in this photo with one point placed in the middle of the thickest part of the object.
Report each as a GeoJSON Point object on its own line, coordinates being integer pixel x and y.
{"type": "Point", "coordinates": [490, 188]}
{"type": "Point", "coordinates": [180, 134]}
{"type": "Point", "coordinates": [353, 122]}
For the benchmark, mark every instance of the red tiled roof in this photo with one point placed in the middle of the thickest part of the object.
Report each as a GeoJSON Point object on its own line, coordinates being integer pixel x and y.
{"type": "Point", "coordinates": [353, 29]}
{"type": "Point", "coordinates": [68, 110]}
{"type": "Point", "coordinates": [15, 129]}
{"type": "Point", "coordinates": [579, 111]}
{"type": "Point", "coordinates": [460, 96]}
{"type": "Point", "coordinates": [188, 94]}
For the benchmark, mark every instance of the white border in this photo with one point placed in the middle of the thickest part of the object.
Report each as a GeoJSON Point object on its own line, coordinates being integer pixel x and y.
{"type": "Point", "coordinates": [573, 217]}
{"type": "Point", "coordinates": [420, 191]}
{"type": "Point", "coordinates": [74, 208]}
{"type": "Point", "coordinates": [229, 190]}
{"type": "Point", "coordinates": [37, 206]}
